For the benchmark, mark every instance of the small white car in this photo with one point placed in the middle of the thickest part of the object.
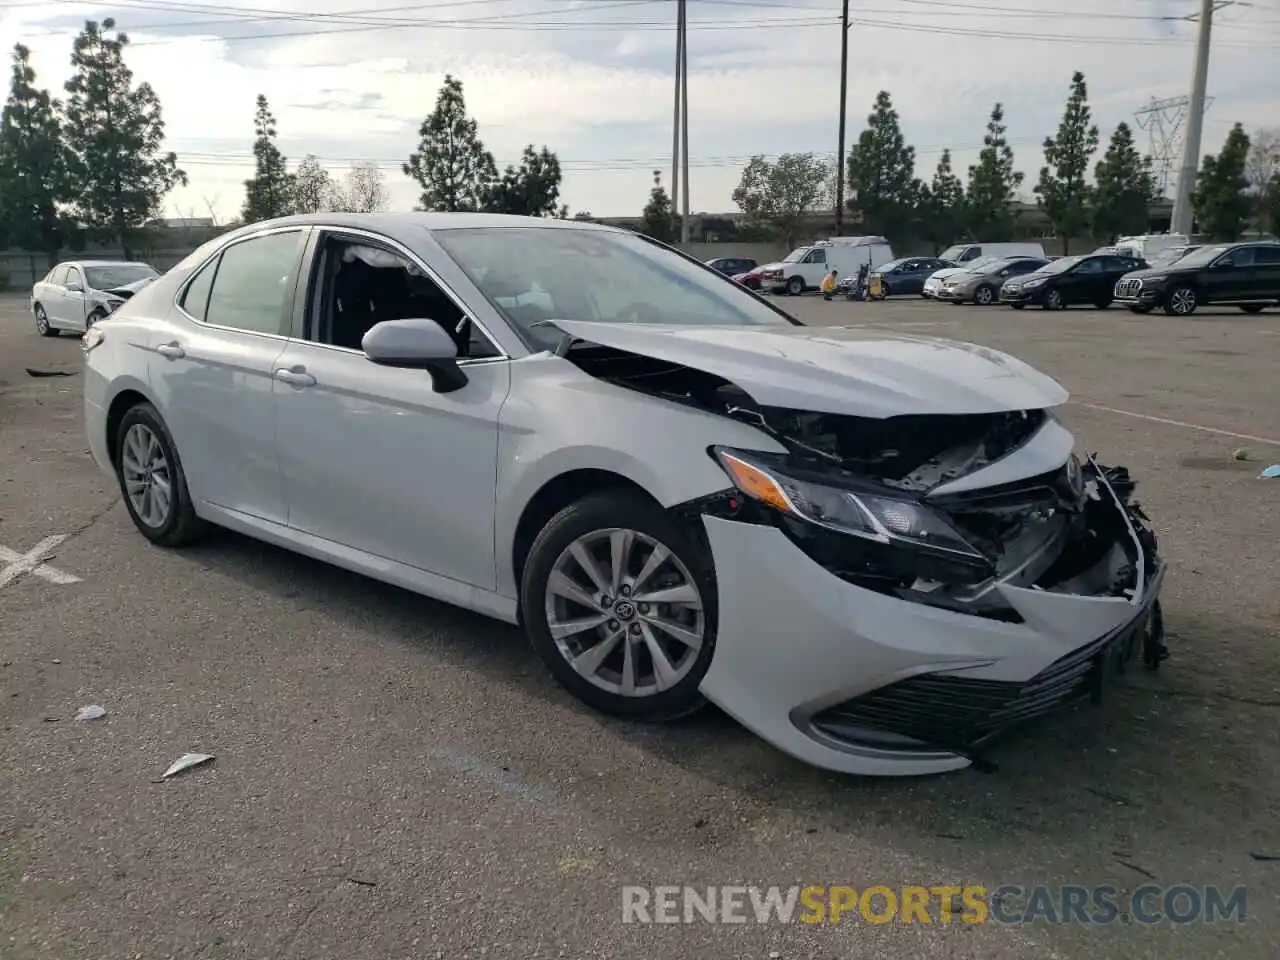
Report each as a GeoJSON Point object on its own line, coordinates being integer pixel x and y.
{"type": "Point", "coordinates": [76, 294]}
{"type": "Point", "coordinates": [876, 551]}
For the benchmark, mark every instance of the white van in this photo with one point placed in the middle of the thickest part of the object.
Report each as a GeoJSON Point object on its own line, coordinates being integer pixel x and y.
{"type": "Point", "coordinates": [961, 253]}
{"type": "Point", "coordinates": [803, 268]}
{"type": "Point", "coordinates": [1148, 245]}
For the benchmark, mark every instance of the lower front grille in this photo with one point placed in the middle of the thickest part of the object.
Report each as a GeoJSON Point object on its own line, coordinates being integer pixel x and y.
{"type": "Point", "coordinates": [962, 714]}
{"type": "Point", "coordinates": [1128, 288]}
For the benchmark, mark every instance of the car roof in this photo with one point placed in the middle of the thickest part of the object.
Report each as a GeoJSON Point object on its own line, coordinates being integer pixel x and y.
{"type": "Point", "coordinates": [104, 263]}
{"type": "Point", "coordinates": [383, 222]}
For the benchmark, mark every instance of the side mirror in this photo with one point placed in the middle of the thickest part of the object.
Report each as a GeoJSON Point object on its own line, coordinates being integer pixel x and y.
{"type": "Point", "coordinates": [417, 344]}
{"type": "Point", "coordinates": [1004, 272]}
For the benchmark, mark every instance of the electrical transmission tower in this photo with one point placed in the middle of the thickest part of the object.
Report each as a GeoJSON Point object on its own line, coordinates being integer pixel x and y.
{"type": "Point", "coordinates": [1164, 122]}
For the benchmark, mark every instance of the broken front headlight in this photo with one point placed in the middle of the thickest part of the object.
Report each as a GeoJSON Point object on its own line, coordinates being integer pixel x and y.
{"type": "Point", "coordinates": [859, 513]}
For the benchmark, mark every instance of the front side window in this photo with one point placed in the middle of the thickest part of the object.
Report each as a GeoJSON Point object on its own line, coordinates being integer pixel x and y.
{"type": "Point", "coordinates": [531, 274]}
{"type": "Point", "coordinates": [254, 280]}
{"type": "Point", "coordinates": [74, 280]}
{"type": "Point", "coordinates": [360, 285]}
{"type": "Point", "coordinates": [816, 256]}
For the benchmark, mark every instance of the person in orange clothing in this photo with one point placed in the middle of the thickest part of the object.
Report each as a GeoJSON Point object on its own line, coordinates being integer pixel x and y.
{"type": "Point", "coordinates": [829, 285]}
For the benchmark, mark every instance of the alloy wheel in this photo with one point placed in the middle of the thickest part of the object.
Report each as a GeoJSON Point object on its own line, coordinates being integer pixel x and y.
{"type": "Point", "coordinates": [625, 612]}
{"type": "Point", "coordinates": [1053, 300]}
{"type": "Point", "coordinates": [983, 296]}
{"type": "Point", "coordinates": [148, 479]}
{"type": "Point", "coordinates": [1182, 301]}
{"type": "Point", "coordinates": [42, 321]}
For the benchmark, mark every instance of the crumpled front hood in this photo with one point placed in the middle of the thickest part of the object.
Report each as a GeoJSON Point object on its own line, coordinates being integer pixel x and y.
{"type": "Point", "coordinates": [841, 370]}
{"type": "Point", "coordinates": [127, 290]}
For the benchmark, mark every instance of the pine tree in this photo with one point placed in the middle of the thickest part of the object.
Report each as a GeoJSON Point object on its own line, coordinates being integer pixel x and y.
{"type": "Point", "coordinates": [943, 205]}
{"type": "Point", "coordinates": [114, 132]}
{"type": "Point", "coordinates": [1220, 198]}
{"type": "Point", "coordinates": [883, 188]}
{"type": "Point", "coordinates": [1125, 188]}
{"type": "Point", "coordinates": [993, 183]}
{"type": "Point", "coordinates": [658, 219]}
{"type": "Point", "coordinates": [33, 164]}
{"type": "Point", "coordinates": [531, 190]}
{"type": "Point", "coordinates": [1063, 191]}
{"type": "Point", "coordinates": [451, 165]}
{"type": "Point", "coordinates": [270, 193]}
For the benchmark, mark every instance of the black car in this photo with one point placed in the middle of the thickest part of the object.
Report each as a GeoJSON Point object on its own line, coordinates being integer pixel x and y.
{"type": "Point", "coordinates": [907, 275]}
{"type": "Point", "coordinates": [982, 286]}
{"type": "Point", "coordinates": [732, 266]}
{"type": "Point", "coordinates": [1244, 275]}
{"type": "Point", "coordinates": [1061, 283]}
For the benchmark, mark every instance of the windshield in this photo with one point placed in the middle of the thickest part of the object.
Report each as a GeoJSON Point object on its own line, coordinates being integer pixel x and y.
{"type": "Point", "coordinates": [534, 273]}
{"type": "Point", "coordinates": [117, 275]}
{"type": "Point", "coordinates": [1202, 256]}
{"type": "Point", "coordinates": [1061, 265]}
{"type": "Point", "coordinates": [1166, 257]}
{"type": "Point", "coordinates": [953, 253]}
{"type": "Point", "coordinates": [891, 265]}
{"type": "Point", "coordinates": [795, 256]}
{"type": "Point", "coordinates": [973, 266]}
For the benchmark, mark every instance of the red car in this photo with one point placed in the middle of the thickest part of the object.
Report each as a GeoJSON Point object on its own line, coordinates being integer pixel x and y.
{"type": "Point", "coordinates": [750, 279]}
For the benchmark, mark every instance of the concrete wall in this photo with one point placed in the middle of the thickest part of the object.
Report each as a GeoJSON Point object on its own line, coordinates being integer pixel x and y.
{"type": "Point", "coordinates": [760, 252]}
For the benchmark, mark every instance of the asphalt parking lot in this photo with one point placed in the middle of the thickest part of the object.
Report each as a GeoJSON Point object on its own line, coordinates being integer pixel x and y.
{"type": "Point", "coordinates": [399, 779]}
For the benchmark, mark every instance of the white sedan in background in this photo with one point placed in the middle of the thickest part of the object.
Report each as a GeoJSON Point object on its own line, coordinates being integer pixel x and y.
{"type": "Point", "coordinates": [876, 551]}
{"type": "Point", "coordinates": [76, 294]}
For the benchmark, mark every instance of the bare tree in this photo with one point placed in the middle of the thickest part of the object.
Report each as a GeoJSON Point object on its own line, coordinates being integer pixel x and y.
{"type": "Point", "coordinates": [1264, 158]}
{"type": "Point", "coordinates": [364, 190]}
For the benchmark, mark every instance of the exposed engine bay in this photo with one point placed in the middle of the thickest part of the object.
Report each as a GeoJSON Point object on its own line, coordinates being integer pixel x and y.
{"type": "Point", "coordinates": [1056, 531]}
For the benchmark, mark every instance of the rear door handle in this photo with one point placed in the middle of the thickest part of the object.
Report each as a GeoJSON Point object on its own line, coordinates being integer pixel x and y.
{"type": "Point", "coordinates": [172, 351]}
{"type": "Point", "coordinates": [295, 376]}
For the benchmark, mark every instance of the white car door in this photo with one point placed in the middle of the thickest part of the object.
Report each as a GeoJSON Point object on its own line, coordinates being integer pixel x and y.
{"type": "Point", "coordinates": [212, 372]}
{"type": "Point", "coordinates": [73, 300]}
{"type": "Point", "coordinates": [374, 457]}
{"type": "Point", "coordinates": [52, 296]}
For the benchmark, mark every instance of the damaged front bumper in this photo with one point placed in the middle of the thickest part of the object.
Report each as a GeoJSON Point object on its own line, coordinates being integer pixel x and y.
{"type": "Point", "coordinates": [859, 680]}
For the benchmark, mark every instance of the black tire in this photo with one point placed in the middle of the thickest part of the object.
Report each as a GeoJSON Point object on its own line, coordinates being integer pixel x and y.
{"type": "Point", "coordinates": [43, 326]}
{"type": "Point", "coordinates": [1181, 301]}
{"type": "Point", "coordinates": [1018, 306]}
{"type": "Point", "coordinates": [1253, 307]}
{"type": "Point", "coordinates": [604, 511]}
{"type": "Point", "coordinates": [182, 526]}
{"type": "Point", "coordinates": [1102, 304]}
{"type": "Point", "coordinates": [1140, 309]}
{"type": "Point", "coordinates": [795, 286]}
{"type": "Point", "coordinates": [1053, 301]}
{"type": "Point", "coordinates": [97, 314]}
{"type": "Point", "coordinates": [985, 295]}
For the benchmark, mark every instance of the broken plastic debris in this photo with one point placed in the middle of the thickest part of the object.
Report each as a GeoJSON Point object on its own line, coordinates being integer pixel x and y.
{"type": "Point", "coordinates": [1240, 454]}
{"type": "Point", "coordinates": [1270, 473]}
{"type": "Point", "coordinates": [91, 712]}
{"type": "Point", "coordinates": [185, 762]}
{"type": "Point", "coordinates": [49, 373]}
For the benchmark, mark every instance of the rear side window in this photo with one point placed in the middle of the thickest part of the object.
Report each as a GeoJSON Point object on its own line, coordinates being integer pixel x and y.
{"type": "Point", "coordinates": [196, 300]}
{"type": "Point", "coordinates": [254, 281]}
{"type": "Point", "coordinates": [1267, 255]}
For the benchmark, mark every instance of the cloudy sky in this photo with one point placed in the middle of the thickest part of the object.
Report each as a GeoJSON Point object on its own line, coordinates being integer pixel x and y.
{"type": "Point", "coordinates": [351, 80]}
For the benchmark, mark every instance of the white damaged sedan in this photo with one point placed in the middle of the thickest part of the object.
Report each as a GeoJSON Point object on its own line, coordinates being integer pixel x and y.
{"type": "Point", "coordinates": [877, 552]}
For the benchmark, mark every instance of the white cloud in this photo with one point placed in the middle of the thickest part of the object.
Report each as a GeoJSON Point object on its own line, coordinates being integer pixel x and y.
{"type": "Point", "coordinates": [592, 79]}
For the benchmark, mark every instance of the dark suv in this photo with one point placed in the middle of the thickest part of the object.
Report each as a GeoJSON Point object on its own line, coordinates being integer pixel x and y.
{"type": "Point", "coordinates": [1244, 275]}
{"type": "Point", "coordinates": [1070, 280]}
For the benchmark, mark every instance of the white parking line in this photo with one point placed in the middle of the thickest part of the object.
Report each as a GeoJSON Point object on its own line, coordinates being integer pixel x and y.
{"type": "Point", "coordinates": [1176, 423]}
{"type": "Point", "coordinates": [32, 562]}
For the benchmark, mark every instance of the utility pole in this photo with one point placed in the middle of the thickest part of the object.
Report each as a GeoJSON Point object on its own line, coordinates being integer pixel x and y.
{"type": "Point", "coordinates": [844, 92]}
{"type": "Point", "coordinates": [1183, 217]}
{"type": "Point", "coordinates": [684, 119]}
{"type": "Point", "coordinates": [675, 112]}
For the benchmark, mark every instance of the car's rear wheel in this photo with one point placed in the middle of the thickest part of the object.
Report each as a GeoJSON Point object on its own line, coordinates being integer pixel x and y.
{"type": "Point", "coordinates": [1181, 302]}
{"type": "Point", "coordinates": [795, 286]}
{"type": "Point", "coordinates": [618, 600]}
{"type": "Point", "coordinates": [151, 479]}
{"type": "Point", "coordinates": [1140, 309]}
{"type": "Point", "coordinates": [1103, 303]}
{"type": "Point", "coordinates": [985, 295]}
{"type": "Point", "coordinates": [1253, 307]}
{"type": "Point", "coordinates": [43, 327]}
{"type": "Point", "coordinates": [1018, 306]}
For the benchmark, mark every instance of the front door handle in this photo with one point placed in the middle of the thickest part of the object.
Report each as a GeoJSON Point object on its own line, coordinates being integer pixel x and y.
{"type": "Point", "coordinates": [171, 351]}
{"type": "Point", "coordinates": [295, 376]}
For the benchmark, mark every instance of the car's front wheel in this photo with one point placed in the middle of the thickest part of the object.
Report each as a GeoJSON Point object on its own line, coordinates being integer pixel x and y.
{"type": "Point", "coordinates": [97, 314]}
{"type": "Point", "coordinates": [1053, 301]}
{"type": "Point", "coordinates": [151, 479]}
{"type": "Point", "coordinates": [1253, 307]}
{"type": "Point", "coordinates": [618, 600]}
{"type": "Point", "coordinates": [985, 295]}
{"type": "Point", "coordinates": [43, 327]}
{"type": "Point", "coordinates": [1181, 302]}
